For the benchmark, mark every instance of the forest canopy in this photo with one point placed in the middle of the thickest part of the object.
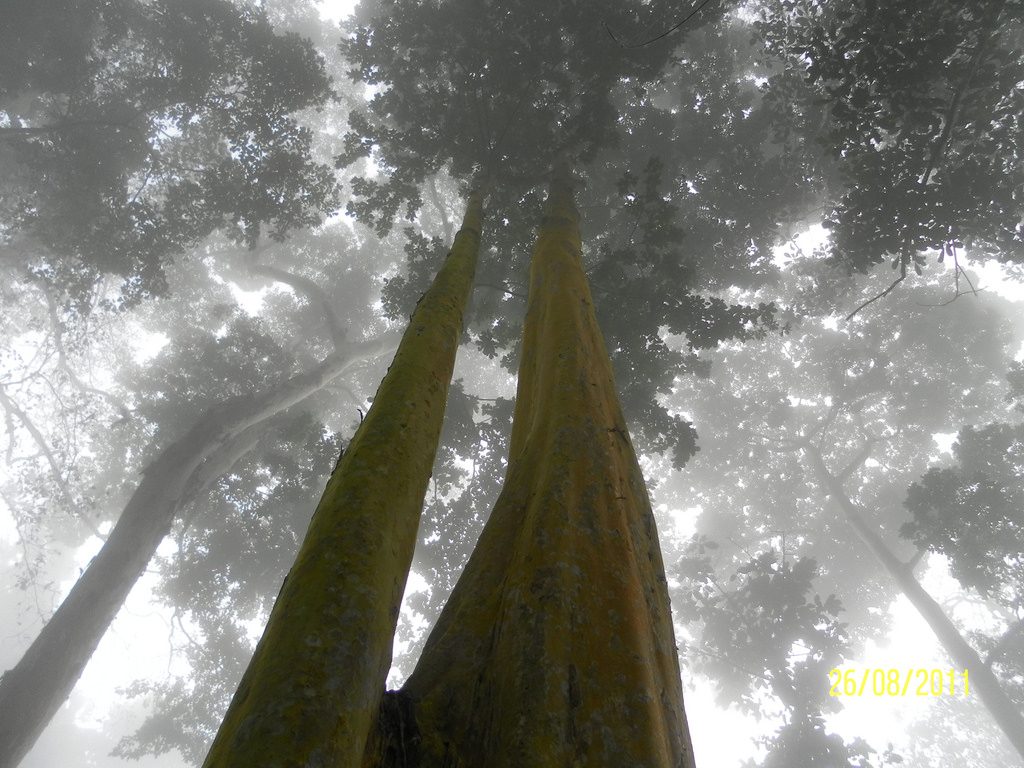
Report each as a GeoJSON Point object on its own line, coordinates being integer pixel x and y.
{"type": "Point", "coordinates": [780, 243]}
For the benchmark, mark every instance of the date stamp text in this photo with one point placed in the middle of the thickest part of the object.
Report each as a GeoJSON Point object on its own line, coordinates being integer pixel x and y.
{"type": "Point", "coordinates": [879, 681]}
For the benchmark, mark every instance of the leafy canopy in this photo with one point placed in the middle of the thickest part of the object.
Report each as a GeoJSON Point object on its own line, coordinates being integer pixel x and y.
{"type": "Point", "coordinates": [131, 130]}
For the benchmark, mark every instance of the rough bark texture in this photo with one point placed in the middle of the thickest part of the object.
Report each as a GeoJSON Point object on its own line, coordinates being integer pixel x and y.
{"type": "Point", "coordinates": [33, 690]}
{"type": "Point", "coordinates": [556, 647]}
{"type": "Point", "coordinates": [314, 686]}
{"type": "Point", "coordinates": [982, 681]}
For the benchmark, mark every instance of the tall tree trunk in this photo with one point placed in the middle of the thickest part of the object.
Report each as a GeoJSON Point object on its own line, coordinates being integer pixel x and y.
{"type": "Point", "coordinates": [981, 679]}
{"type": "Point", "coordinates": [315, 682]}
{"type": "Point", "coordinates": [33, 690]}
{"type": "Point", "coordinates": [556, 647]}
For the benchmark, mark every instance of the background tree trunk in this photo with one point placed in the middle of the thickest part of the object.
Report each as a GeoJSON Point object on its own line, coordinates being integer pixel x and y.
{"type": "Point", "coordinates": [980, 676]}
{"type": "Point", "coordinates": [33, 690]}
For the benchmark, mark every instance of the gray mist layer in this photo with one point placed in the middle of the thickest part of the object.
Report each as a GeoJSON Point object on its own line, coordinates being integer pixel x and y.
{"type": "Point", "coordinates": [804, 234]}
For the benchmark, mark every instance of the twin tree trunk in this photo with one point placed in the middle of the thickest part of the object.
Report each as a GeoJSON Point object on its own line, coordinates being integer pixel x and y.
{"type": "Point", "coordinates": [981, 679]}
{"type": "Point", "coordinates": [556, 647]}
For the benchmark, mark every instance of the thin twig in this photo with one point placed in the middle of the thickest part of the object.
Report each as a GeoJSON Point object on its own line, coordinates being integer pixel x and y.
{"type": "Point", "coordinates": [664, 34]}
{"type": "Point", "coordinates": [883, 294]}
{"type": "Point", "coordinates": [435, 198]}
{"type": "Point", "coordinates": [11, 408]}
{"type": "Point", "coordinates": [62, 361]}
{"type": "Point", "coordinates": [937, 153]}
{"type": "Point", "coordinates": [950, 300]}
{"type": "Point", "coordinates": [954, 107]}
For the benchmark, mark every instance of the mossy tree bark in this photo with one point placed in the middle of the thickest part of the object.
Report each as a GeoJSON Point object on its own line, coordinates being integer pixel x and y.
{"type": "Point", "coordinates": [556, 647]}
{"type": "Point", "coordinates": [314, 685]}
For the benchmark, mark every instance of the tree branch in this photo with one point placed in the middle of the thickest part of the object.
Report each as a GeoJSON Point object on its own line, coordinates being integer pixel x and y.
{"type": "Point", "coordinates": [11, 408]}
{"type": "Point", "coordinates": [819, 431]}
{"type": "Point", "coordinates": [918, 556]}
{"type": "Point", "coordinates": [883, 294]}
{"type": "Point", "coordinates": [435, 200]}
{"type": "Point", "coordinates": [62, 361]}
{"type": "Point", "coordinates": [949, 119]}
{"type": "Point", "coordinates": [936, 155]}
{"type": "Point", "coordinates": [219, 463]}
{"type": "Point", "coordinates": [663, 35]}
{"type": "Point", "coordinates": [42, 130]}
{"type": "Point", "coordinates": [313, 293]}
{"type": "Point", "coordinates": [861, 456]}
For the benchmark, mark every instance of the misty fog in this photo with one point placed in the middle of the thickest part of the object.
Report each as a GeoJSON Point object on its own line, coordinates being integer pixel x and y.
{"type": "Point", "coordinates": [802, 229]}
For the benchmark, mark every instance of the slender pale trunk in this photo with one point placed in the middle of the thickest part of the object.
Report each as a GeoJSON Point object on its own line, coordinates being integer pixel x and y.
{"type": "Point", "coordinates": [556, 647]}
{"type": "Point", "coordinates": [981, 679]}
{"type": "Point", "coordinates": [33, 690]}
{"type": "Point", "coordinates": [314, 686]}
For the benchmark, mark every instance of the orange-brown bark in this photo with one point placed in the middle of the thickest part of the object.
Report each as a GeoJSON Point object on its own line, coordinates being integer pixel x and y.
{"type": "Point", "coordinates": [556, 647]}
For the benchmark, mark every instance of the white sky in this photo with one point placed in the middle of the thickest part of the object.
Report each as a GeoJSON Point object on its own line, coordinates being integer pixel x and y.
{"type": "Point", "coordinates": [335, 10]}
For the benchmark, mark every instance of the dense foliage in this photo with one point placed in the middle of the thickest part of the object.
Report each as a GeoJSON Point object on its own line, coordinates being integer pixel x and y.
{"type": "Point", "coordinates": [173, 151]}
{"type": "Point", "coordinates": [133, 130]}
